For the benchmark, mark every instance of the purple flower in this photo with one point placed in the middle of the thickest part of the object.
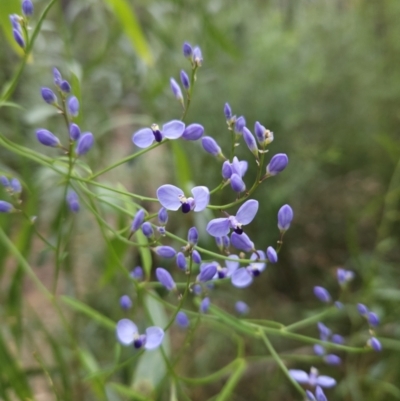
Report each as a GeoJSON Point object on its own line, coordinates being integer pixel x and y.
{"type": "Point", "coordinates": [16, 186]}
{"type": "Point", "coordinates": [172, 198]}
{"type": "Point", "coordinates": [146, 136]}
{"type": "Point", "coordinates": [324, 332]}
{"type": "Point", "coordinates": [362, 309]}
{"type": "Point", "coordinates": [193, 132]}
{"type": "Point", "coordinates": [187, 50]}
{"type": "Point", "coordinates": [15, 21]}
{"type": "Point", "coordinates": [193, 236]}
{"type": "Point", "coordinates": [277, 164]}
{"type": "Point", "coordinates": [6, 207]}
{"type": "Point", "coordinates": [245, 215]}
{"type": "Point", "coordinates": [344, 276]}
{"type": "Point", "coordinates": [4, 181]}
{"type": "Point", "coordinates": [250, 141]}
{"type": "Point", "coordinates": [65, 86]}
{"type": "Point", "coordinates": [185, 80]}
{"type": "Point", "coordinates": [147, 229]}
{"type": "Point", "coordinates": [242, 308]}
{"type": "Point", "coordinates": [226, 170]}
{"type": "Point", "coordinates": [128, 334]}
{"type": "Point", "coordinates": [47, 138]}
{"type": "Point", "coordinates": [227, 111]}
{"type": "Point", "coordinates": [319, 394]}
{"type": "Point", "coordinates": [264, 136]}
{"type": "Point", "coordinates": [312, 379]}
{"type": "Point", "coordinates": [137, 220]}
{"type": "Point", "coordinates": [373, 319]}
{"type": "Point", "coordinates": [242, 242]}
{"type": "Point", "coordinates": [375, 344]}
{"type": "Point", "coordinates": [27, 8]}
{"type": "Point", "coordinates": [205, 305]}
{"type": "Point", "coordinates": [137, 273]}
{"type": "Point", "coordinates": [163, 216]}
{"type": "Point", "coordinates": [74, 132]}
{"type": "Point", "coordinates": [196, 257]}
{"type": "Point", "coordinates": [197, 56]}
{"type": "Point", "coordinates": [319, 350]}
{"type": "Point", "coordinates": [272, 255]}
{"type": "Point", "coordinates": [85, 143]}
{"type": "Point", "coordinates": [73, 201]}
{"type": "Point", "coordinates": [181, 261]}
{"type": "Point", "coordinates": [337, 339]}
{"type": "Point", "coordinates": [240, 124]}
{"type": "Point", "coordinates": [322, 294]}
{"type": "Point", "coordinates": [211, 146]}
{"type": "Point", "coordinates": [176, 89]}
{"type": "Point", "coordinates": [310, 395]}
{"type": "Point", "coordinates": [332, 359]}
{"type": "Point", "coordinates": [165, 279]}
{"type": "Point", "coordinates": [73, 106]}
{"type": "Point", "coordinates": [243, 277]}
{"type": "Point", "coordinates": [230, 267]}
{"type": "Point", "coordinates": [236, 167]}
{"type": "Point", "coordinates": [165, 251]}
{"type": "Point", "coordinates": [182, 320]}
{"type": "Point", "coordinates": [48, 96]}
{"type": "Point", "coordinates": [18, 38]}
{"type": "Point", "coordinates": [237, 184]}
{"type": "Point", "coordinates": [57, 77]}
{"type": "Point", "coordinates": [285, 217]}
{"type": "Point", "coordinates": [207, 272]}
{"type": "Point", "coordinates": [125, 302]}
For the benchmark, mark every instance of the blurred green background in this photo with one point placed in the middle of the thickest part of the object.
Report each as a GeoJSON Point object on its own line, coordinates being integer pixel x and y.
{"type": "Point", "coordinates": [324, 76]}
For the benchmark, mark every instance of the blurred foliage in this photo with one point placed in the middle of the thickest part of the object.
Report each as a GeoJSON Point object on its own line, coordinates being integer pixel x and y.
{"type": "Point", "coordinates": [323, 75]}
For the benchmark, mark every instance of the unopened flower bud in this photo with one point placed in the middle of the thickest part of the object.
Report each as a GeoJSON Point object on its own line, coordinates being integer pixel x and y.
{"type": "Point", "coordinates": [49, 96]}
{"type": "Point", "coordinates": [375, 344]}
{"type": "Point", "coordinates": [240, 124]}
{"type": "Point", "coordinates": [250, 141]}
{"type": "Point", "coordinates": [27, 8]}
{"type": "Point", "coordinates": [242, 242]}
{"type": "Point", "coordinates": [85, 143]}
{"type": "Point", "coordinates": [74, 131]}
{"type": "Point", "coordinates": [285, 217]}
{"type": "Point", "coordinates": [237, 184]}
{"type": "Point", "coordinates": [185, 80]}
{"type": "Point", "coordinates": [362, 309]}
{"type": "Point", "coordinates": [272, 255]}
{"type": "Point", "coordinates": [176, 90]}
{"type": "Point", "coordinates": [165, 278]}
{"type": "Point", "coordinates": [137, 220]}
{"type": "Point", "coordinates": [57, 77]}
{"type": "Point", "coordinates": [182, 320]}
{"type": "Point", "coordinates": [264, 136]}
{"type": "Point", "coordinates": [226, 170]}
{"type": "Point", "coordinates": [125, 302]}
{"type": "Point", "coordinates": [196, 257]}
{"type": "Point", "coordinates": [18, 38]}
{"type": "Point", "coordinates": [6, 207]}
{"type": "Point", "coordinates": [277, 164]}
{"type": "Point", "coordinates": [137, 273]}
{"type": "Point", "coordinates": [65, 86]}
{"type": "Point", "coordinates": [165, 251]}
{"type": "Point", "coordinates": [4, 181]}
{"type": "Point", "coordinates": [193, 236]}
{"type": "Point", "coordinates": [227, 111]}
{"type": "Point", "coordinates": [242, 308]}
{"type": "Point", "coordinates": [147, 229]}
{"type": "Point", "coordinates": [211, 146]}
{"type": "Point", "coordinates": [207, 272]}
{"type": "Point", "coordinates": [373, 319]}
{"type": "Point", "coordinates": [73, 106]}
{"type": "Point", "coordinates": [197, 56]}
{"type": "Point", "coordinates": [193, 132]}
{"type": "Point", "coordinates": [187, 50]}
{"type": "Point", "coordinates": [322, 294]}
{"type": "Point", "coordinates": [47, 138]}
{"type": "Point", "coordinates": [205, 305]}
{"type": "Point", "coordinates": [73, 201]}
{"type": "Point", "coordinates": [332, 359]}
{"type": "Point", "coordinates": [163, 216]}
{"type": "Point", "coordinates": [181, 261]}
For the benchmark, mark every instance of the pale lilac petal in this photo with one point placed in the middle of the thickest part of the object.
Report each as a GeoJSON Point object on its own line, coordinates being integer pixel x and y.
{"type": "Point", "coordinates": [319, 393]}
{"type": "Point", "coordinates": [143, 138]}
{"type": "Point", "coordinates": [168, 196]}
{"type": "Point", "coordinates": [126, 331]}
{"type": "Point", "coordinates": [154, 337]}
{"type": "Point", "coordinates": [326, 381]}
{"type": "Point", "coordinates": [201, 196]}
{"type": "Point", "coordinates": [231, 265]}
{"type": "Point", "coordinates": [299, 375]}
{"type": "Point", "coordinates": [218, 227]}
{"type": "Point", "coordinates": [260, 266]}
{"type": "Point", "coordinates": [242, 242]}
{"type": "Point", "coordinates": [241, 278]}
{"type": "Point", "coordinates": [247, 212]}
{"type": "Point", "coordinates": [173, 129]}
{"type": "Point", "coordinates": [243, 167]}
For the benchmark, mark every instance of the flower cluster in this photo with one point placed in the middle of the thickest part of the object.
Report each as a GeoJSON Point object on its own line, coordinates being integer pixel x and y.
{"type": "Point", "coordinates": [20, 23]}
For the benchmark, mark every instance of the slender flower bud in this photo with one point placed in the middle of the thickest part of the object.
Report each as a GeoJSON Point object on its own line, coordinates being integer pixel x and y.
{"type": "Point", "coordinates": [227, 111]}
{"type": "Point", "coordinates": [250, 141]}
{"type": "Point", "coordinates": [319, 350]}
{"type": "Point", "coordinates": [125, 302]}
{"type": "Point", "coordinates": [4, 181]}
{"type": "Point", "coordinates": [6, 207]}
{"type": "Point", "coordinates": [240, 124]}
{"type": "Point", "coordinates": [16, 186]}
{"type": "Point", "coordinates": [163, 216]}
{"type": "Point", "coordinates": [324, 332]}
{"type": "Point", "coordinates": [165, 251]}
{"type": "Point", "coordinates": [196, 257]}
{"type": "Point", "coordinates": [15, 21]}
{"type": "Point", "coordinates": [337, 339]}
{"type": "Point", "coordinates": [211, 146]}
{"type": "Point", "coordinates": [375, 344]}
{"type": "Point", "coordinates": [73, 201]}
{"type": "Point", "coordinates": [205, 305]}
{"type": "Point", "coordinates": [264, 136]}
{"type": "Point", "coordinates": [237, 184]}
{"type": "Point", "coordinates": [49, 96]}
{"type": "Point", "coordinates": [74, 131]}
{"type": "Point", "coordinates": [27, 8]}
{"type": "Point", "coordinates": [147, 229]}
{"type": "Point", "coordinates": [85, 143]}
{"type": "Point", "coordinates": [137, 273]}
{"type": "Point", "coordinates": [322, 294]}
{"type": "Point", "coordinates": [207, 272]}
{"type": "Point", "coordinates": [65, 86]}
{"type": "Point", "coordinates": [277, 164]}
{"type": "Point", "coordinates": [272, 255]}
{"type": "Point", "coordinates": [57, 77]}
{"type": "Point", "coordinates": [285, 217]}
{"type": "Point", "coordinates": [161, 230]}
{"type": "Point", "coordinates": [242, 308]}
{"type": "Point", "coordinates": [193, 236]}
{"type": "Point", "coordinates": [187, 50]}
{"type": "Point", "coordinates": [319, 394]}
{"type": "Point", "coordinates": [165, 278]}
{"type": "Point", "coordinates": [176, 90]}
{"type": "Point", "coordinates": [332, 359]}
{"type": "Point", "coordinates": [181, 261]}
{"type": "Point", "coordinates": [242, 242]}
{"type": "Point", "coordinates": [226, 170]}
{"type": "Point", "coordinates": [137, 220]}
{"type": "Point", "coordinates": [193, 132]}
{"type": "Point", "coordinates": [18, 38]}
{"type": "Point", "coordinates": [373, 319]}
{"type": "Point", "coordinates": [73, 106]}
{"type": "Point", "coordinates": [185, 80]}
{"type": "Point", "coordinates": [362, 309]}
{"type": "Point", "coordinates": [182, 320]}
{"type": "Point", "coordinates": [47, 138]}
{"type": "Point", "coordinates": [197, 56]}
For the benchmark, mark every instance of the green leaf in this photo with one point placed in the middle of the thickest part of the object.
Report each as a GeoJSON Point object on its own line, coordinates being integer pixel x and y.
{"type": "Point", "coordinates": [127, 17]}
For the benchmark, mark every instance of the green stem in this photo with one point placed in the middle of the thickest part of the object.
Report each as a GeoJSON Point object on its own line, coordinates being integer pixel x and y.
{"type": "Point", "coordinates": [312, 319]}
{"type": "Point", "coordinates": [226, 392]}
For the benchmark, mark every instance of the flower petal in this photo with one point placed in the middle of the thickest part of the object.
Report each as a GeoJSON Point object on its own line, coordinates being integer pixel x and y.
{"type": "Point", "coordinates": [143, 138]}
{"type": "Point", "coordinates": [242, 242]}
{"type": "Point", "coordinates": [173, 129]}
{"type": "Point", "coordinates": [168, 195]}
{"type": "Point", "coordinates": [231, 265]}
{"type": "Point", "coordinates": [326, 381]}
{"type": "Point", "coordinates": [299, 375]}
{"type": "Point", "coordinates": [154, 337]}
{"type": "Point", "coordinates": [126, 331]}
{"type": "Point", "coordinates": [218, 227]}
{"type": "Point", "coordinates": [247, 211]}
{"type": "Point", "coordinates": [260, 266]}
{"type": "Point", "coordinates": [201, 196]}
{"type": "Point", "coordinates": [241, 278]}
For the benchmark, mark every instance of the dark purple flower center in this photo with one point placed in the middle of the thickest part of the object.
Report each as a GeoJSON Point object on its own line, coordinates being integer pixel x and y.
{"type": "Point", "coordinates": [185, 207]}
{"type": "Point", "coordinates": [238, 230]}
{"type": "Point", "coordinates": [256, 272]}
{"type": "Point", "coordinates": [138, 343]}
{"type": "Point", "coordinates": [157, 135]}
{"type": "Point", "coordinates": [221, 274]}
